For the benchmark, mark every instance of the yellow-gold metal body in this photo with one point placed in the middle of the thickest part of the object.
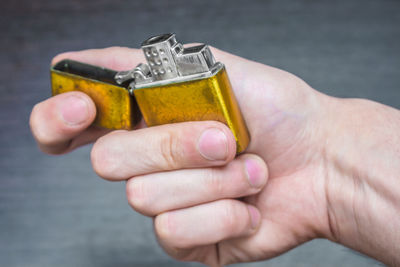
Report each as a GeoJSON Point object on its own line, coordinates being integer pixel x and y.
{"type": "Point", "coordinates": [116, 108]}
{"type": "Point", "coordinates": [204, 99]}
{"type": "Point", "coordinates": [177, 84]}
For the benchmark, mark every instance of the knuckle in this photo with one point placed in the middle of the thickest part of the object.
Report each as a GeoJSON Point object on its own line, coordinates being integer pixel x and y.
{"type": "Point", "coordinates": [166, 227]}
{"type": "Point", "coordinates": [104, 164]}
{"type": "Point", "coordinates": [163, 226]}
{"type": "Point", "coordinates": [170, 151]}
{"type": "Point", "coordinates": [213, 182]}
{"type": "Point", "coordinates": [97, 158]}
{"type": "Point", "coordinates": [138, 195]}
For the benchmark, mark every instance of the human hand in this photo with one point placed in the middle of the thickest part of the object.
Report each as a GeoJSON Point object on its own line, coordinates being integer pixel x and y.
{"type": "Point", "coordinates": [208, 206]}
{"type": "Point", "coordinates": [171, 180]}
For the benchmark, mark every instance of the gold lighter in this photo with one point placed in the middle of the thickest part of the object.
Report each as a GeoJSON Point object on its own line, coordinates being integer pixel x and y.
{"type": "Point", "coordinates": [177, 84]}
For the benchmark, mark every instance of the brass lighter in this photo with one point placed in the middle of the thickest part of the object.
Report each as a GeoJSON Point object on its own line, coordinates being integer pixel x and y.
{"type": "Point", "coordinates": [177, 84]}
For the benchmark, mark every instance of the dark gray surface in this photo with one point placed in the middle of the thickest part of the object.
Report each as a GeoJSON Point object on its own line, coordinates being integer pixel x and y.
{"type": "Point", "coordinates": [54, 211]}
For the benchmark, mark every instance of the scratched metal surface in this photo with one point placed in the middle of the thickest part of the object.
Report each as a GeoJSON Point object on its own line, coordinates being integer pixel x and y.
{"type": "Point", "coordinates": [54, 211]}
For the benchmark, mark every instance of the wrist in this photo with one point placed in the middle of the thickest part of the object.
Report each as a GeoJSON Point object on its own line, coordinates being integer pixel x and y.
{"type": "Point", "coordinates": [362, 177]}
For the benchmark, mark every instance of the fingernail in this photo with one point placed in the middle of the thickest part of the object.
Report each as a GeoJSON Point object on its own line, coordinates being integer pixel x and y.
{"type": "Point", "coordinates": [254, 173]}
{"type": "Point", "coordinates": [213, 144]}
{"type": "Point", "coordinates": [74, 110]}
{"type": "Point", "coordinates": [255, 216]}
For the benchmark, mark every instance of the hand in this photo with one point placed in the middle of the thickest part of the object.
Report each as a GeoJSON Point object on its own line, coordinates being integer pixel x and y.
{"type": "Point", "coordinates": [187, 177]}
{"type": "Point", "coordinates": [209, 206]}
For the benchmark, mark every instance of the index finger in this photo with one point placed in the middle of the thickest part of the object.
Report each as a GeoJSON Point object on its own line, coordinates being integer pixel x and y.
{"type": "Point", "coordinates": [116, 58]}
{"type": "Point", "coordinates": [121, 155]}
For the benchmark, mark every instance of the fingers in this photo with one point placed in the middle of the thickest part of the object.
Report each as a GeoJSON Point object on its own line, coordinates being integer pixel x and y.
{"type": "Point", "coordinates": [116, 58]}
{"type": "Point", "coordinates": [160, 192]}
{"type": "Point", "coordinates": [55, 122]}
{"type": "Point", "coordinates": [122, 154]}
{"type": "Point", "coordinates": [206, 224]}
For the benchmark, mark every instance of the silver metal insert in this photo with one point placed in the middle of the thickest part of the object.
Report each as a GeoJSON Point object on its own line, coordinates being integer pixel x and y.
{"type": "Point", "coordinates": [169, 62]}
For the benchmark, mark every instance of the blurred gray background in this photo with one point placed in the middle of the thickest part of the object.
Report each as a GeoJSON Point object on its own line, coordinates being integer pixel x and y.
{"type": "Point", "coordinates": [54, 211]}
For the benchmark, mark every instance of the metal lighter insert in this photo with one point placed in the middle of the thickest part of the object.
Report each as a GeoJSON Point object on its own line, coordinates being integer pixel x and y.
{"type": "Point", "coordinates": [177, 84]}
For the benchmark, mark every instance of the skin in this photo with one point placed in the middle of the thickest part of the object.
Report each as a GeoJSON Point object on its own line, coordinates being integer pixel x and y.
{"type": "Point", "coordinates": [316, 167]}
